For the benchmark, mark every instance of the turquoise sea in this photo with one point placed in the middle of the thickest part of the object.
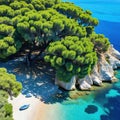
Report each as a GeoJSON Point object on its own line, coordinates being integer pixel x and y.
{"type": "Point", "coordinates": [103, 104]}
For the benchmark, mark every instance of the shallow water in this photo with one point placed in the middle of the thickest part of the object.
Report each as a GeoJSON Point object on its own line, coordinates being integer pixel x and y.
{"type": "Point", "coordinates": [107, 100]}
{"type": "Point", "coordinates": [105, 105]}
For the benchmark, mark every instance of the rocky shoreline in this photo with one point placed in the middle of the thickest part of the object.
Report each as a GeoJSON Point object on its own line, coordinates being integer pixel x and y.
{"type": "Point", "coordinates": [103, 71]}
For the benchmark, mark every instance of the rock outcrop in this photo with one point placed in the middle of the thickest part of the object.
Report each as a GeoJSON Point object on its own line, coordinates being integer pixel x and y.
{"type": "Point", "coordinates": [114, 52]}
{"type": "Point", "coordinates": [103, 71]}
{"type": "Point", "coordinates": [67, 85]}
{"type": "Point", "coordinates": [84, 85]}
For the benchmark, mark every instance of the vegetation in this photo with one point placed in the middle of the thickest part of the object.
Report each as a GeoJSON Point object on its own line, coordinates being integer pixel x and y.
{"type": "Point", "coordinates": [51, 24]}
{"type": "Point", "coordinates": [8, 85]}
{"type": "Point", "coordinates": [71, 56]}
{"type": "Point", "coordinates": [5, 107]}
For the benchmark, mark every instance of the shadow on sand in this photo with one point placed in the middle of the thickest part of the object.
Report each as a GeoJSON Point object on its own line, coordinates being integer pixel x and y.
{"type": "Point", "coordinates": [37, 80]}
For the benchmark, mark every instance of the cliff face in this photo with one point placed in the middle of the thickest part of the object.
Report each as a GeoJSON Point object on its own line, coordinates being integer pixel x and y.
{"type": "Point", "coordinates": [103, 71]}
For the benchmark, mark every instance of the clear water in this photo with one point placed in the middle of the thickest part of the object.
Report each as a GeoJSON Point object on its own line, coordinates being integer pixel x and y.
{"type": "Point", "coordinates": [108, 13]}
{"type": "Point", "coordinates": [106, 101]}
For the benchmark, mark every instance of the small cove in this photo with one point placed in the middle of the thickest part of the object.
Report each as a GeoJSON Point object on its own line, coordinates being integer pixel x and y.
{"type": "Point", "coordinates": [105, 102]}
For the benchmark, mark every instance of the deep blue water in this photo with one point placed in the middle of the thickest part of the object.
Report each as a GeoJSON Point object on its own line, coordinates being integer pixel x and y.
{"type": "Point", "coordinates": [105, 103]}
{"type": "Point", "coordinates": [108, 13]}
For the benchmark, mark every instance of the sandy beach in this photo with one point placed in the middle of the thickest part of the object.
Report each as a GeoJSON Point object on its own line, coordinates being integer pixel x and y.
{"type": "Point", "coordinates": [38, 81]}
{"type": "Point", "coordinates": [31, 112]}
{"type": "Point", "coordinates": [36, 111]}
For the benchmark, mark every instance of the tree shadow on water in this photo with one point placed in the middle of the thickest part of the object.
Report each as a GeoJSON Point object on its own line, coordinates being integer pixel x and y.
{"type": "Point", "coordinates": [38, 80]}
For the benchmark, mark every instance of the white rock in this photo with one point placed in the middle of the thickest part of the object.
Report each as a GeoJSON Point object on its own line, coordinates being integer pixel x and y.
{"type": "Point", "coordinates": [84, 85]}
{"type": "Point", "coordinates": [114, 62]}
{"type": "Point", "coordinates": [87, 78]}
{"type": "Point", "coordinates": [105, 70]}
{"type": "Point", "coordinates": [114, 52]}
{"type": "Point", "coordinates": [96, 80]}
{"type": "Point", "coordinates": [67, 85]}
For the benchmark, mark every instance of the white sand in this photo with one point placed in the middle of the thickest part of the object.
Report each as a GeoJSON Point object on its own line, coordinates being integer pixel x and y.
{"type": "Point", "coordinates": [27, 114]}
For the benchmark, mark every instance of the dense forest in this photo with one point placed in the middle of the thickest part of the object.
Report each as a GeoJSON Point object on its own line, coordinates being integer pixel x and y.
{"type": "Point", "coordinates": [62, 33]}
{"type": "Point", "coordinates": [39, 25]}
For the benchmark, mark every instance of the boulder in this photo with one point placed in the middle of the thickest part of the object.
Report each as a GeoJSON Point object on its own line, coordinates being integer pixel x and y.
{"type": "Point", "coordinates": [96, 80]}
{"type": "Point", "coordinates": [83, 85]}
{"type": "Point", "coordinates": [66, 85]}
{"type": "Point", "coordinates": [87, 78]}
{"type": "Point", "coordinates": [113, 57]}
{"type": "Point", "coordinates": [105, 71]}
{"type": "Point", "coordinates": [114, 52]}
{"type": "Point", "coordinates": [114, 62]}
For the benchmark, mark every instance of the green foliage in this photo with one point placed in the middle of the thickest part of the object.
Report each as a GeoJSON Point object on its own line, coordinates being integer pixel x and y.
{"type": "Point", "coordinates": [8, 109]}
{"type": "Point", "coordinates": [75, 57]}
{"type": "Point", "coordinates": [8, 83]}
{"type": "Point", "coordinates": [77, 13]}
{"type": "Point", "coordinates": [7, 47]}
{"type": "Point", "coordinates": [101, 44]}
{"type": "Point", "coordinates": [5, 107]}
{"type": "Point", "coordinates": [69, 66]}
{"type": "Point", "coordinates": [37, 23]}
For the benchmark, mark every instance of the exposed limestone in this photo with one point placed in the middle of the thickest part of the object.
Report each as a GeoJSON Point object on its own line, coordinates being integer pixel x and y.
{"type": "Point", "coordinates": [96, 78]}
{"type": "Point", "coordinates": [102, 71]}
{"type": "Point", "coordinates": [67, 85]}
{"type": "Point", "coordinates": [105, 69]}
{"type": "Point", "coordinates": [114, 62]}
{"type": "Point", "coordinates": [84, 85]}
{"type": "Point", "coordinates": [113, 57]}
{"type": "Point", "coordinates": [114, 52]}
{"type": "Point", "coordinates": [87, 79]}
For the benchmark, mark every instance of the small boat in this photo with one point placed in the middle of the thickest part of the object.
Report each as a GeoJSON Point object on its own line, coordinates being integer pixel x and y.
{"type": "Point", "coordinates": [28, 95]}
{"type": "Point", "coordinates": [24, 107]}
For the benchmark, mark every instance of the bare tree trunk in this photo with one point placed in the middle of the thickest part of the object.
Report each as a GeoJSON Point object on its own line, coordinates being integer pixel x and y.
{"type": "Point", "coordinates": [10, 93]}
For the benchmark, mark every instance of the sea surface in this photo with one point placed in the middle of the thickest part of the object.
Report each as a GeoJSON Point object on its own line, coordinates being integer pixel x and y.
{"type": "Point", "coordinates": [100, 105]}
{"type": "Point", "coordinates": [108, 14]}
{"type": "Point", "coordinates": [103, 104]}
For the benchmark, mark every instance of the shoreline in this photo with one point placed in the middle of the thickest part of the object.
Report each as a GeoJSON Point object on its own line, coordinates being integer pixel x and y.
{"type": "Point", "coordinates": [32, 113]}
{"type": "Point", "coordinates": [37, 110]}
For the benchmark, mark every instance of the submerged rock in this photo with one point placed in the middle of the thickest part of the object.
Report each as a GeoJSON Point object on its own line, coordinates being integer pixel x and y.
{"type": "Point", "coordinates": [91, 109]}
